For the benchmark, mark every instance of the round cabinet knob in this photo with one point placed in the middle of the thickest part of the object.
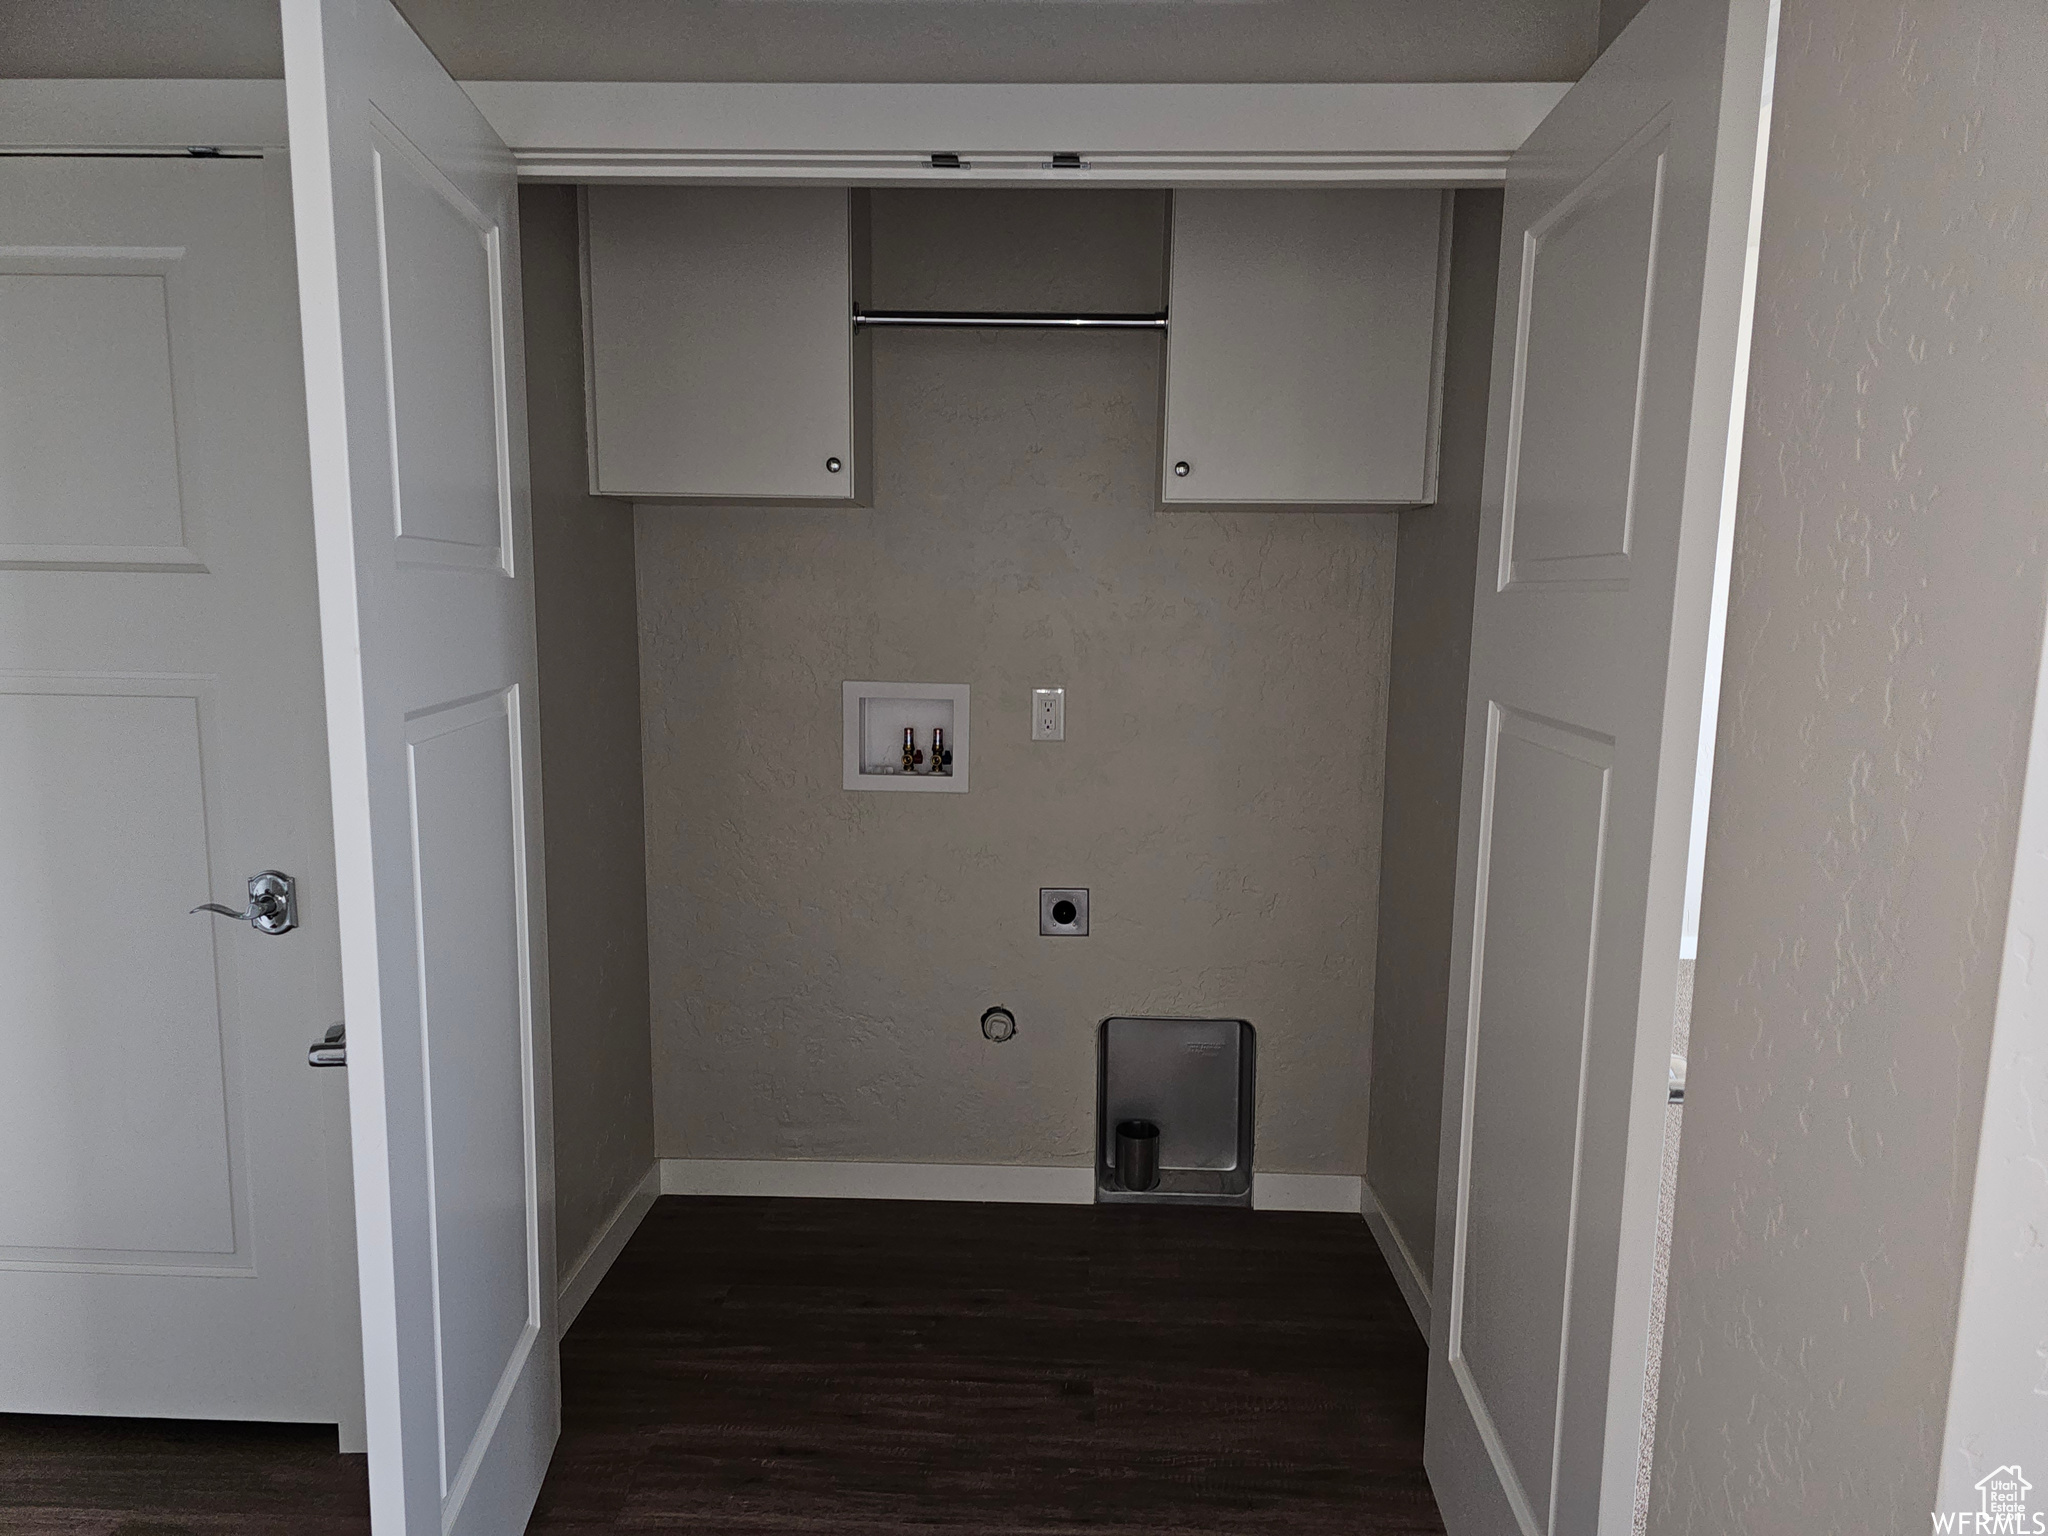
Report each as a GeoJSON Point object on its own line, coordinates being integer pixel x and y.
{"type": "Point", "coordinates": [833, 466]}
{"type": "Point", "coordinates": [1181, 469]}
{"type": "Point", "coordinates": [998, 1024]}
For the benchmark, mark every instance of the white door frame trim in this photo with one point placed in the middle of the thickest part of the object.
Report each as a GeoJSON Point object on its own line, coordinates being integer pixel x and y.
{"type": "Point", "coordinates": [1456, 134]}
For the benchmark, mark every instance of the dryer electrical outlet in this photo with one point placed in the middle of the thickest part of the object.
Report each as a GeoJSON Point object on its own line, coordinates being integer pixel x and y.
{"type": "Point", "coordinates": [1063, 912]}
{"type": "Point", "coordinates": [1048, 714]}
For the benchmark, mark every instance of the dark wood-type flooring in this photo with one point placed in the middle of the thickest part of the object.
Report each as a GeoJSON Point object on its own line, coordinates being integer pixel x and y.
{"type": "Point", "coordinates": [785, 1367]}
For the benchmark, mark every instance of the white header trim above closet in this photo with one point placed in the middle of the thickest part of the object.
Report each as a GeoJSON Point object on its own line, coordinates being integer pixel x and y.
{"type": "Point", "coordinates": [1126, 135]}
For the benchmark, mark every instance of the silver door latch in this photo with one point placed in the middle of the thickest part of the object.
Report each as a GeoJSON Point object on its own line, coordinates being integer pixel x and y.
{"type": "Point", "coordinates": [331, 1049]}
{"type": "Point", "coordinates": [273, 903]}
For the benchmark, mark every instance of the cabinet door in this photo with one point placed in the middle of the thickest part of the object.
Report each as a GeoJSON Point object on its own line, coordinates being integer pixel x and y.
{"type": "Point", "coordinates": [1304, 360]}
{"type": "Point", "coordinates": [722, 359]}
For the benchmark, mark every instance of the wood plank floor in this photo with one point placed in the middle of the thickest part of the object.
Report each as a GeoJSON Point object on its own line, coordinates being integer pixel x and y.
{"type": "Point", "coordinates": [177, 1477]}
{"type": "Point", "coordinates": [784, 1367]}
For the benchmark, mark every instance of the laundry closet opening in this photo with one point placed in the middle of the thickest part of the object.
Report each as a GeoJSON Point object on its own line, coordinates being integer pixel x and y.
{"type": "Point", "coordinates": [818, 961]}
{"type": "Point", "coordinates": [1258, 783]}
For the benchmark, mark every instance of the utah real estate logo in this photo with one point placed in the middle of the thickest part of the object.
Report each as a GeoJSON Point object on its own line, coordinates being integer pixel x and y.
{"type": "Point", "coordinates": [2002, 1509]}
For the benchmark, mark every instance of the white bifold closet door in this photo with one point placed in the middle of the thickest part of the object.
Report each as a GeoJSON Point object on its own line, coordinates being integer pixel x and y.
{"type": "Point", "coordinates": [409, 288]}
{"type": "Point", "coordinates": [1620, 345]}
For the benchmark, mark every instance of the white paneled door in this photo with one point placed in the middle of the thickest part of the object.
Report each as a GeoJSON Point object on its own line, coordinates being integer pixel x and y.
{"type": "Point", "coordinates": [1620, 342]}
{"type": "Point", "coordinates": [409, 285]}
{"type": "Point", "coordinates": [173, 1175]}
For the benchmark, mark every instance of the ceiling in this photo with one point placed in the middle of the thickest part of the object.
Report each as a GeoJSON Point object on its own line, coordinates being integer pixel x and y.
{"type": "Point", "coordinates": [850, 40]}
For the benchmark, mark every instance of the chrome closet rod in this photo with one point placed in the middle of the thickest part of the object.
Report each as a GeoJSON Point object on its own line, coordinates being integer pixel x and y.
{"type": "Point", "coordinates": [967, 319]}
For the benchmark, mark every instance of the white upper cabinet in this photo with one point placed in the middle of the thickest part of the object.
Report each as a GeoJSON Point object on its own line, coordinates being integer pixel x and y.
{"type": "Point", "coordinates": [722, 360]}
{"type": "Point", "coordinates": [1304, 359]}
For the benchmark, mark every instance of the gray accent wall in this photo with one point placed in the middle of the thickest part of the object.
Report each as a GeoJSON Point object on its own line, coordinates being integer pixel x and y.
{"type": "Point", "coordinates": [1432, 644]}
{"type": "Point", "coordinates": [1883, 630]}
{"type": "Point", "coordinates": [1115, 41]}
{"type": "Point", "coordinates": [590, 759]}
{"type": "Point", "coordinates": [821, 958]}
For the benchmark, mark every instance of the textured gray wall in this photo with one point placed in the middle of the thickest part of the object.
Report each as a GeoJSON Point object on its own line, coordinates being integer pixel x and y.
{"type": "Point", "coordinates": [1882, 632]}
{"type": "Point", "coordinates": [1615, 15]}
{"type": "Point", "coordinates": [141, 39]}
{"type": "Point", "coordinates": [821, 958]}
{"type": "Point", "coordinates": [1432, 648]}
{"type": "Point", "coordinates": [590, 759]}
{"type": "Point", "coordinates": [1025, 40]}
{"type": "Point", "coordinates": [1028, 40]}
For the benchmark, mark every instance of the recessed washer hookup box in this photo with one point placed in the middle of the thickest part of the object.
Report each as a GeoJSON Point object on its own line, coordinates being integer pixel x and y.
{"type": "Point", "coordinates": [1193, 1079]}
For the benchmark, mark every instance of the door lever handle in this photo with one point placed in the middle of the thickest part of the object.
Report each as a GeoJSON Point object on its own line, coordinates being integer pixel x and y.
{"type": "Point", "coordinates": [331, 1049]}
{"type": "Point", "coordinates": [273, 903]}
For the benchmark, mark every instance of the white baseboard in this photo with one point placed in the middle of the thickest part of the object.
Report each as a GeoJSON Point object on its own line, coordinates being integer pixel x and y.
{"type": "Point", "coordinates": [1400, 1259]}
{"type": "Point", "coordinates": [1000, 1183]}
{"type": "Point", "coordinates": [596, 1260]}
{"type": "Point", "coordinates": [878, 1181]}
{"type": "Point", "coordinates": [1306, 1192]}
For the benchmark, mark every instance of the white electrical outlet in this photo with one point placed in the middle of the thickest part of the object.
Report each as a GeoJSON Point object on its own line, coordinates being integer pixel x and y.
{"type": "Point", "coordinates": [1048, 714]}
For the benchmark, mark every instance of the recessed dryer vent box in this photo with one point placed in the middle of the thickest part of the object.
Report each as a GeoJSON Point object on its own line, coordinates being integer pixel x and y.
{"type": "Point", "coordinates": [875, 718]}
{"type": "Point", "coordinates": [1193, 1079]}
